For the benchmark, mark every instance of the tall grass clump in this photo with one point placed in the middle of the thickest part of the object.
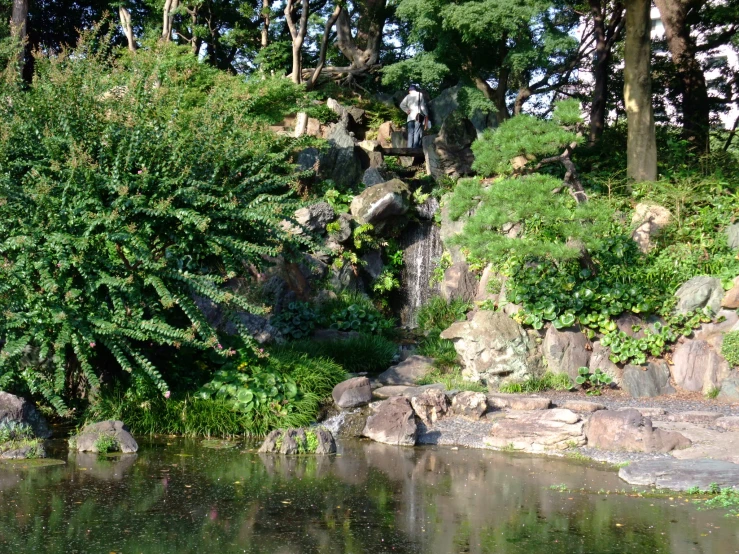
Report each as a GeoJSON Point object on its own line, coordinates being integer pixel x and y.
{"type": "Point", "coordinates": [369, 353]}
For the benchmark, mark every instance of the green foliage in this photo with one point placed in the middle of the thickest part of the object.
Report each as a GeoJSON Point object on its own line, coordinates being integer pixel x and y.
{"type": "Point", "coordinates": [444, 263]}
{"type": "Point", "coordinates": [452, 379]}
{"type": "Point", "coordinates": [297, 321]}
{"type": "Point", "coordinates": [355, 354]}
{"type": "Point", "coordinates": [730, 348]}
{"type": "Point", "coordinates": [127, 187]}
{"type": "Point", "coordinates": [548, 381]}
{"type": "Point", "coordinates": [247, 392]}
{"type": "Point", "coordinates": [106, 443]}
{"type": "Point", "coordinates": [14, 431]}
{"type": "Point", "coordinates": [438, 314]}
{"type": "Point", "coordinates": [523, 135]}
{"type": "Point", "coordinates": [441, 350]}
{"type": "Point", "coordinates": [358, 318]}
{"type": "Point", "coordinates": [549, 220]}
{"type": "Point", "coordinates": [594, 381]}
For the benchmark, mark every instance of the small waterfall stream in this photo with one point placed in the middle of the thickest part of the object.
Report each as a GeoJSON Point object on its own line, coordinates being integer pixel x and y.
{"type": "Point", "coordinates": [422, 248]}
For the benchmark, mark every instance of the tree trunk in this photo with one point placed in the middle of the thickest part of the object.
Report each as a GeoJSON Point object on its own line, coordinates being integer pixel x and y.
{"type": "Point", "coordinates": [125, 17]}
{"type": "Point", "coordinates": [324, 45]}
{"type": "Point", "coordinates": [18, 28]}
{"type": "Point", "coordinates": [695, 107]}
{"type": "Point", "coordinates": [298, 30]}
{"type": "Point", "coordinates": [362, 50]}
{"type": "Point", "coordinates": [168, 18]}
{"type": "Point", "coordinates": [266, 8]}
{"type": "Point", "coordinates": [605, 36]}
{"type": "Point", "coordinates": [641, 152]}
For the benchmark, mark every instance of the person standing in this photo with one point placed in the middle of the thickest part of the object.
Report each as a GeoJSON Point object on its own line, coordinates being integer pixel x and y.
{"type": "Point", "coordinates": [415, 106]}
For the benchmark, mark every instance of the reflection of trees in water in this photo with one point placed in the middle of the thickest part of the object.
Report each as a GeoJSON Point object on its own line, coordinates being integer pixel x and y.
{"type": "Point", "coordinates": [372, 498]}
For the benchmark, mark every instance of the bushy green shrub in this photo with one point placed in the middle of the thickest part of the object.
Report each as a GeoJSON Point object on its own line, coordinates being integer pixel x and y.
{"type": "Point", "coordinates": [441, 350]}
{"type": "Point", "coordinates": [370, 353]}
{"type": "Point", "coordinates": [730, 348]}
{"type": "Point", "coordinates": [548, 381]}
{"type": "Point", "coordinates": [360, 319]}
{"type": "Point", "coordinates": [14, 431]}
{"type": "Point", "coordinates": [438, 314]}
{"type": "Point", "coordinates": [297, 321]}
{"type": "Point", "coordinates": [127, 188]}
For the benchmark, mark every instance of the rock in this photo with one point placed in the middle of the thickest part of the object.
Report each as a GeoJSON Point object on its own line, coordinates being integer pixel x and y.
{"type": "Point", "coordinates": [626, 323]}
{"type": "Point", "coordinates": [315, 218]}
{"type": "Point", "coordinates": [732, 236]}
{"type": "Point", "coordinates": [695, 417]}
{"type": "Point", "coordinates": [345, 279]}
{"type": "Point", "coordinates": [344, 232]}
{"type": "Point", "coordinates": [582, 406]}
{"type": "Point", "coordinates": [326, 443]}
{"type": "Point", "coordinates": [700, 292]}
{"type": "Point", "coordinates": [14, 409]}
{"type": "Point", "coordinates": [313, 440]}
{"type": "Point", "coordinates": [431, 405]}
{"type": "Point", "coordinates": [714, 331]}
{"type": "Point", "coordinates": [447, 102]}
{"type": "Point", "coordinates": [730, 423]}
{"type": "Point", "coordinates": [428, 208]}
{"type": "Point", "coordinates": [650, 220]}
{"type": "Point", "coordinates": [729, 390]}
{"type": "Point", "coordinates": [628, 430]}
{"type": "Point", "coordinates": [313, 128]}
{"type": "Point", "coordinates": [646, 412]}
{"type": "Point", "coordinates": [515, 402]}
{"type": "Point", "coordinates": [459, 283]}
{"type": "Point", "coordinates": [34, 450]}
{"type": "Point", "coordinates": [490, 285]}
{"type": "Point", "coordinates": [537, 431]}
{"type": "Point", "coordinates": [381, 201]}
{"type": "Point", "coordinates": [308, 158]}
{"type": "Point", "coordinates": [271, 441]}
{"type": "Point", "coordinates": [681, 475]}
{"type": "Point", "coordinates": [341, 163]}
{"type": "Point", "coordinates": [393, 423]}
{"type": "Point", "coordinates": [398, 140]}
{"type": "Point", "coordinates": [731, 298]}
{"type": "Point", "coordinates": [697, 367]}
{"type": "Point", "coordinates": [395, 390]}
{"type": "Point", "coordinates": [357, 114]}
{"type": "Point", "coordinates": [369, 145]}
{"type": "Point", "coordinates": [653, 381]}
{"type": "Point", "coordinates": [352, 393]}
{"type": "Point", "coordinates": [492, 346]}
{"type": "Point", "coordinates": [450, 229]}
{"type": "Point", "coordinates": [372, 176]}
{"type": "Point", "coordinates": [448, 154]}
{"type": "Point", "coordinates": [407, 372]}
{"type": "Point", "coordinates": [469, 404]}
{"type": "Point", "coordinates": [376, 159]}
{"type": "Point", "coordinates": [372, 264]}
{"type": "Point", "coordinates": [565, 350]}
{"type": "Point", "coordinates": [86, 440]}
{"type": "Point", "coordinates": [599, 359]}
{"type": "Point", "coordinates": [385, 132]}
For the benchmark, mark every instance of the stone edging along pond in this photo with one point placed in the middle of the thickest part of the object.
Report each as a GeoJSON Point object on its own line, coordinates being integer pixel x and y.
{"type": "Point", "coordinates": [678, 450]}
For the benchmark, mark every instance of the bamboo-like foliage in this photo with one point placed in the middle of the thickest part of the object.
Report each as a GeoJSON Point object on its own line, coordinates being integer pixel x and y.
{"type": "Point", "coordinates": [128, 187]}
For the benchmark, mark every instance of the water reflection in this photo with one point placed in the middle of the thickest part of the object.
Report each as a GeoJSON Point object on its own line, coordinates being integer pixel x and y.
{"type": "Point", "coordinates": [176, 497]}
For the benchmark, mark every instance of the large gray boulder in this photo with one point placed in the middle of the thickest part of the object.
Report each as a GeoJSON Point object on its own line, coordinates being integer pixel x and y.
{"type": "Point", "coordinates": [448, 154]}
{"type": "Point", "coordinates": [352, 393]}
{"type": "Point", "coordinates": [537, 431]}
{"type": "Point", "coordinates": [393, 422]}
{"type": "Point", "coordinates": [341, 163]}
{"type": "Point", "coordinates": [87, 439]}
{"type": "Point", "coordinates": [469, 404]}
{"type": "Point", "coordinates": [698, 293]}
{"type": "Point", "coordinates": [681, 475]}
{"type": "Point", "coordinates": [407, 372]}
{"type": "Point", "coordinates": [600, 359]}
{"type": "Point", "coordinates": [565, 350]}
{"type": "Point", "coordinates": [430, 405]}
{"type": "Point", "coordinates": [732, 236]}
{"type": "Point", "coordinates": [313, 440]}
{"type": "Point", "coordinates": [697, 367]}
{"type": "Point", "coordinates": [459, 283]}
{"type": "Point", "coordinates": [629, 431]}
{"type": "Point", "coordinates": [729, 390]}
{"type": "Point", "coordinates": [649, 219]}
{"type": "Point", "coordinates": [652, 381]}
{"type": "Point", "coordinates": [14, 409]}
{"type": "Point", "coordinates": [492, 346]}
{"type": "Point", "coordinates": [381, 201]}
{"type": "Point", "coordinates": [315, 218]}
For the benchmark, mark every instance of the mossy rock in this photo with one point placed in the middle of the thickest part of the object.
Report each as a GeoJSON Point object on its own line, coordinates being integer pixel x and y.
{"type": "Point", "coordinates": [313, 440]}
{"type": "Point", "coordinates": [23, 449]}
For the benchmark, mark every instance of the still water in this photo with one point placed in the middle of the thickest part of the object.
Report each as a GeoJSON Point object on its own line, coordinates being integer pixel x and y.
{"type": "Point", "coordinates": [178, 496]}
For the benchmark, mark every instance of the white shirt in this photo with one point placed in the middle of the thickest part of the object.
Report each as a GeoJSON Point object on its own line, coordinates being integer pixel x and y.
{"type": "Point", "coordinates": [414, 104]}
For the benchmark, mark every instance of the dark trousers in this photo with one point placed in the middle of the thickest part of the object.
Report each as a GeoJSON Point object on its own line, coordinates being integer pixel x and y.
{"type": "Point", "coordinates": [415, 134]}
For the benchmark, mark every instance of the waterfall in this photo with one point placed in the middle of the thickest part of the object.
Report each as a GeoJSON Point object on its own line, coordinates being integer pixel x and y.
{"type": "Point", "coordinates": [422, 248]}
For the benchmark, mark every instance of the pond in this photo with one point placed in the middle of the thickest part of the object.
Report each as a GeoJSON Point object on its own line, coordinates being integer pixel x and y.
{"type": "Point", "coordinates": [176, 495]}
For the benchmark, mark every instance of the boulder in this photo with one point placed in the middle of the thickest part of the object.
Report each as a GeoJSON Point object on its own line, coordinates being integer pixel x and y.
{"type": "Point", "coordinates": [398, 140]}
{"type": "Point", "coordinates": [698, 293]}
{"type": "Point", "coordinates": [731, 298]}
{"type": "Point", "coordinates": [407, 372]}
{"type": "Point", "coordinates": [376, 159]}
{"type": "Point", "coordinates": [308, 158]}
{"type": "Point", "coordinates": [372, 264]}
{"type": "Point", "coordinates": [14, 409]}
{"type": "Point", "coordinates": [714, 331]}
{"type": "Point", "coordinates": [641, 382]}
{"type": "Point", "coordinates": [431, 405]}
{"type": "Point", "coordinates": [649, 220]}
{"type": "Point", "coordinates": [681, 475]}
{"type": "Point", "coordinates": [313, 127]}
{"type": "Point", "coordinates": [582, 406]}
{"type": "Point", "coordinates": [428, 208]}
{"type": "Point", "coordinates": [459, 283]}
{"type": "Point", "coordinates": [729, 390]}
{"type": "Point", "coordinates": [697, 367]}
{"type": "Point", "coordinates": [448, 154]}
{"type": "Point", "coordinates": [352, 393]}
{"type": "Point", "coordinates": [32, 449]}
{"type": "Point", "coordinates": [369, 145]}
{"type": "Point", "coordinates": [599, 359]}
{"type": "Point", "coordinates": [390, 391]}
{"type": "Point", "coordinates": [447, 102]}
{"type": "Point", "coordinates": [469, 404]}
{"type": "Point", "coordinates": [345, 279]}
{"type": "Point", "coordinates": [628, 430]}
{"type": "Point", "coordinates": [344, 231]}
{"type": "Point", "coordinates": [372, 176]}
{"type": "Point", "coordinates": [537, 431]}
{"type": "Point", "coordinates": [381, 201]}
{"type": "Point", "coordinates": [516, 402]}
{"type": "Point", "coordinates": [87, 439]}
{"type": "Point", "coordinates": [707, 418]}
{"type": "Point", "coordinates": [492, 346]}
{"type": "Point", "coordinates": [490, 285]}
{"type": "Point", "coordinates": [732, 236]}
{"type": "Point", "coordinates": [385, 132]}
{"type": "Point", "coordinates": [393, 422]}
{"type": "Point", "coordinates": [729, 423]}
{"type": "Point", "coordinates": [315, 218]}
{"type": "Point", "coordinates": [340, 162]}
{"type": "Point", "coordinates": [313, 440]}
{"type": "Point", "coordinates": [627, 322]}
{"type": "Point", "coordinates": [450, 229]}
{"type": "Point", "coordinates": [565, 350]}
{"type": "Point", "coordinates": [646, 411]}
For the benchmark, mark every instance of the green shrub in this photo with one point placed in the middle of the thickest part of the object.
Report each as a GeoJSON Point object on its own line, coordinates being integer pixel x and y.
{"type": "Point", "coordinates": [360, 319]}
{"type": "Point", "coordinates": [106, 443]}
{"type": "Point", "coordinates": [297, 321]}
{"type": "Point", "coordinates": [126, 188]}
{"type": "Point", "coordinates": [548, 381]}
{"type": "Point", "coordinates": [369, 353]}
{"type": "Point", "coordinates": [14, 431]}
{"type": "Point", "coordinates": [438, 314]}
{"type": "Point", "coordinates": [594, 381]}
{"type": "Point", "coordinates": [730, 348]}
{"type": "Point", "coordinates": [452, 379]}
{"type": "Point", "coordinates": [441, 350]}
